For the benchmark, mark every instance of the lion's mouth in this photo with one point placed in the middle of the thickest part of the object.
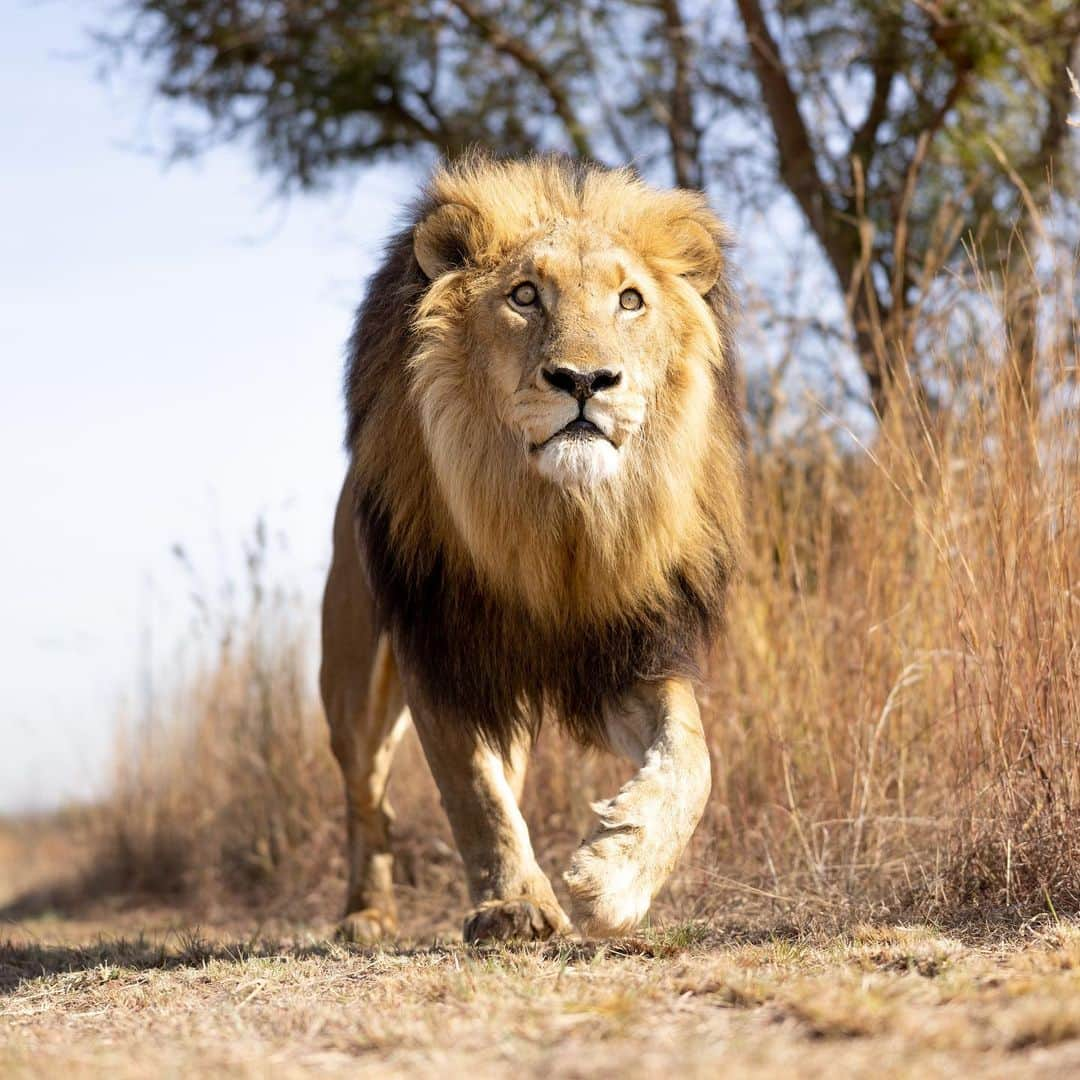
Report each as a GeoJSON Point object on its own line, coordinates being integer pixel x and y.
{"type": "Point", "coordinates": [580, 429]}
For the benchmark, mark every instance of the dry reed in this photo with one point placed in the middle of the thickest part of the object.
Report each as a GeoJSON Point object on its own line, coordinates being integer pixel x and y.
{"type": "Point", "coordinates": [894, 719]}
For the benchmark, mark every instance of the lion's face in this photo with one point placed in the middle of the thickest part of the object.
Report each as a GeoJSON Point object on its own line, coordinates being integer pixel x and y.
{"type": "Point", "coordinates": [569, 337]}
{"type": "Point", "coordinates": [573, 334]}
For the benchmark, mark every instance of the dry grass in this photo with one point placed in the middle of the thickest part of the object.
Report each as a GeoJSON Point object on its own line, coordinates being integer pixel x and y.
{"type": "Point", "coordinates": [894, 720]}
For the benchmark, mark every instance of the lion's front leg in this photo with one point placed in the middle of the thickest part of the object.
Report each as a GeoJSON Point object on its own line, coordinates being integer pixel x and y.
{"type": "Point", "coordinates": [643, 830]}
{"type": "Point", "coordinates": [511, 896]}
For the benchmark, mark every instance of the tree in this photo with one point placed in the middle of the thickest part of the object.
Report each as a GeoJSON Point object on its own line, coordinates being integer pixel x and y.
{"type": "Point", "coordinates": [897, 127]}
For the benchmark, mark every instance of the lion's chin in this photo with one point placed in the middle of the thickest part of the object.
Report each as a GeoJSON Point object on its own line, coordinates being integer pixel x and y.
{"type": "Point", "coordinates": [575, 462]}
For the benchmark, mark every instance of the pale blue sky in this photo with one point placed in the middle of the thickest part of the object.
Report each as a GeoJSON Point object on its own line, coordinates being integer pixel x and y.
{"type": "Point", "coordinates": [170, 353]}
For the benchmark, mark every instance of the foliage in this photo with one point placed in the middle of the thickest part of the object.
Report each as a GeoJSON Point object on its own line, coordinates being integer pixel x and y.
{"type": "Point", "coordinates": [897, 128]}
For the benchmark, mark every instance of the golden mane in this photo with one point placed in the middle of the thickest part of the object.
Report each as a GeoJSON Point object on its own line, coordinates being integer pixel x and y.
{"type": "Point", "coordinates": [505, 593]}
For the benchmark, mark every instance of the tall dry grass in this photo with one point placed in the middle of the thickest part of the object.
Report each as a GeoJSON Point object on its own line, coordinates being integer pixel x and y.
{"type": "Point", "coordinates": [222, 785]}
{"type": "Point", "coordinates": [897, 720]}
{"type": "Point", "coordinates": [894, 719]}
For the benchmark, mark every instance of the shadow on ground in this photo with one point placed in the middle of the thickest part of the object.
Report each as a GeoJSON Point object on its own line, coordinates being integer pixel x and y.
{"type": "Point", "coordinates": [22, 961]}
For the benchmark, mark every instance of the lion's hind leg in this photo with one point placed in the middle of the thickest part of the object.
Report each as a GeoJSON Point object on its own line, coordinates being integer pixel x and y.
{"type": "Point", "coordinates": [643, 830]}
{"type": "Point", "coordinates": [367, 715]}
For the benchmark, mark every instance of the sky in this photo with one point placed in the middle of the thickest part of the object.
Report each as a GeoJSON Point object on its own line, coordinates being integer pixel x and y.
{"type": "Point", "coordinates": [171, 343]}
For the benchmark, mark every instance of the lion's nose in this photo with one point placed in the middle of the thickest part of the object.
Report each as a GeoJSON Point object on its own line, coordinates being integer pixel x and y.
{"type": "Point", "coordinates": [582, 384]}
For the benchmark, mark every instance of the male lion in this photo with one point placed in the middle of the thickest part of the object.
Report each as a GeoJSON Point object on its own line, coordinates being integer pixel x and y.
{"type": "Point", "coordinates": [541, 516]}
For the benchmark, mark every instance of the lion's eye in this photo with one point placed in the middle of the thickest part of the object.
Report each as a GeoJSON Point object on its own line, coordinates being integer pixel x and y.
{"type": "Point", "coordinates": [630, 300]}
{"type": "Point", "coordinates": [525, 294]}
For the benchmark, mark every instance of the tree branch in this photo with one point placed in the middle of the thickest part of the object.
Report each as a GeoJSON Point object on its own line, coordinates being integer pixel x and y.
{"type": "Point", "coordinates": [1056, 127]}
{"type": "Point", "coordinates": [503, 41]}
{"type": "Point", "coordinates": [682, 131]}
{"type": "Point", "coordinates": [797, 161]}
{"type": "Point", "coordinates": [885, 68]}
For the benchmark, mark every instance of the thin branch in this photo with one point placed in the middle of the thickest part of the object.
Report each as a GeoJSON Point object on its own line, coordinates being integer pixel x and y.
{"type": "Point", "coordinates": [885, 68]}
{"type": "Point", "coordinates": [612, 119]}
{"type": "Point", "coordinates": [797, 161]}
{"type": "Point", "coordinates": [682, 131]}
{"type": "Point", "coordinates": [501, 40]}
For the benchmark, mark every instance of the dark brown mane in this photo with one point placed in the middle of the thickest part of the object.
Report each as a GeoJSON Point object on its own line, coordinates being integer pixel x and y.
{"type": "Point", "coordinates": [487, 660]}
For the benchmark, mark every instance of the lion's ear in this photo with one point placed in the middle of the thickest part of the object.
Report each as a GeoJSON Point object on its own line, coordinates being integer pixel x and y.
{"type": "Point", "coordinates": [698, 253]}
{"type": "Point", "coordinates": [445, 239]}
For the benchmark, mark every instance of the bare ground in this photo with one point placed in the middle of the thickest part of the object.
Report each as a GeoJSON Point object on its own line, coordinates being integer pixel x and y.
{"type": "Point", "coordinates": [136, 992]}
{"type": "Point", "coordinates": [77, 1000]}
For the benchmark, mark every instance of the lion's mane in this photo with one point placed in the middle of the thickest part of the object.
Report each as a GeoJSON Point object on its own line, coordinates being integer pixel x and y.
{"type": "Point", "coordinates": [587, 596]}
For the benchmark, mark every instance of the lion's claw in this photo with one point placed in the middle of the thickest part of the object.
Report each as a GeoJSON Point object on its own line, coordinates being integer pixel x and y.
{"type": "Point", "coordinates": [513, 920]}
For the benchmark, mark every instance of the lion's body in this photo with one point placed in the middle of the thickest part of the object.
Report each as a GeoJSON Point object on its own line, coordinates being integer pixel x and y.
{"type": "Point", "coordinates": [508, 566]}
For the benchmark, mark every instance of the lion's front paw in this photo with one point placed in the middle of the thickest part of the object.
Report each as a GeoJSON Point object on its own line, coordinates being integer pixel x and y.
{"type": "Point", "coordinates": [523, 919]}
{"type": "Point", "coordinates": [366, 927]}
{"type": "Point", "coordinates": [614, 875]}
{"type": "Point", "coordinates": [609, 888]}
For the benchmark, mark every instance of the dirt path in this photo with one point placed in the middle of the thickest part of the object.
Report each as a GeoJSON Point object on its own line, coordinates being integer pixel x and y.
{"type": "Point", "coordinates": [79, 999]}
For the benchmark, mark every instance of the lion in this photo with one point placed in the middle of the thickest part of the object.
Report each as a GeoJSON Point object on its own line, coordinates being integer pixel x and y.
{"type": "Point", "coordinates": [541, 517]}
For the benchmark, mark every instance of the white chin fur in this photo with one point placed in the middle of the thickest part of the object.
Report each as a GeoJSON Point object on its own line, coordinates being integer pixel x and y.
{"type": "Point", "coordinates": [575, 462]}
